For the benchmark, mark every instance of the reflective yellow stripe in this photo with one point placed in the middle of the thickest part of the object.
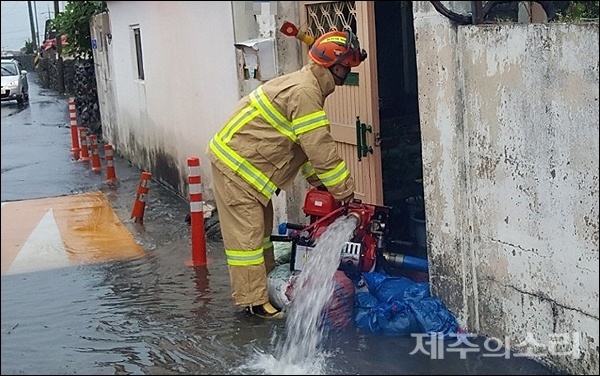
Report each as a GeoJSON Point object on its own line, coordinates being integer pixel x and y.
{"type": "Point", "coordinates": [245, 258]}
{"type": "Point", "coordinates": [307, 169]}
{"type": "Point", "coordinates": [335, 176]}
{"type": "Point", "coordinates": [237, 122]}
{"type": "Point", "coordinates": [242, 167]}
{"type": "Point", "coordinates": [260, 101]}
{"type": "Point", "coordinates": [309, 122]}
{"type": "Point", "coordinates": [260, 104]}
{"type": "Point", "coordinates": [335, 39]}
{"type": "Point", "coordinates": [234, 161]}
{"type": "Point", "coordinates": [267, 243]}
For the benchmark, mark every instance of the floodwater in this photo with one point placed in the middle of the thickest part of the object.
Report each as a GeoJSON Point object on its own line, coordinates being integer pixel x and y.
{"type": "Point", "coordinates": [158, 315]}
{"type": "Point", "coordinates": [305, 327]}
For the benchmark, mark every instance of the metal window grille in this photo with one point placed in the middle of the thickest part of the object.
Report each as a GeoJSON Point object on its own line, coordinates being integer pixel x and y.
{"type": "Point", "coordinates": [138, 52]}
{"type": "Point", "coordinates": [336, 15]}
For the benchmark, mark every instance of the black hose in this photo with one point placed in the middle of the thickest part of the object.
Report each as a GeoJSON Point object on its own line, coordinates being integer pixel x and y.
{"type": "Point", "coordinates": [281, 238]}
{"type": "Point", "coordinates": [456, 17]}
{"type": "Point", "coordinates": [467, 19]}
{"type": "Point", "coordinates": [294, 226]}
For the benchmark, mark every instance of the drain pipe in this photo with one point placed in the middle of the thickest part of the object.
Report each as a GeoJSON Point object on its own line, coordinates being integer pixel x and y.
{"type": "Point", "coordinates": [400, 260]}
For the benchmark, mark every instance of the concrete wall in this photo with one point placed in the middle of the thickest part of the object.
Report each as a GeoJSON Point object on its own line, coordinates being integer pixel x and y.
{"type": "Point", "coordinates": [509, 117]}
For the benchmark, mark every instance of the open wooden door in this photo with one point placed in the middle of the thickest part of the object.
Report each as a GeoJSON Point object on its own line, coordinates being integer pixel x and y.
{"type": "Point", "coordinates": [356, 103]}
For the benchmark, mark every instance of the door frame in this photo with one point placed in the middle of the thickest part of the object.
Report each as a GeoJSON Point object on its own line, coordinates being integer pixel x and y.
{"type": "Point", "coordinates": [346, 103]}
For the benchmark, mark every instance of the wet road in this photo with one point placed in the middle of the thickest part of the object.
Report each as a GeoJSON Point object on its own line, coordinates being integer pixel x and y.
{"type": "Point", "coordinates": [155, 314]}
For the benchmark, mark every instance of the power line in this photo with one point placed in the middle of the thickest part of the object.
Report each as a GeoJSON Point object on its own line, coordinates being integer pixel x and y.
{"type": "Point", "coordinates": [14, 14]}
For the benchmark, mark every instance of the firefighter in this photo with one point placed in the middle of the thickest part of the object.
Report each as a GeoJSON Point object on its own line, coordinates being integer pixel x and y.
{"type": "Point", "coordinates": [276, 131]}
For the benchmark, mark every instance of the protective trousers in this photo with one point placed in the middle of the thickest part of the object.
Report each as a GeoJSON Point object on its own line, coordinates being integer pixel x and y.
{"type": "Point", "coordinates": [246, 227]}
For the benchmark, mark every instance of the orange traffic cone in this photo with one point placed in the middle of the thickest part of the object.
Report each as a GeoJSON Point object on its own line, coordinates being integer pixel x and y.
{"type": "Point", "coordinates": [139, 205]}
{"type": "Point", "coordinates": [83, 142]}
{"type": "Point", "coordinates": [196, 212]}
{"type": "Point", "coordinates": [74, 131]}
{"type": "Point", "coordinates": [96, 167]}
{"type": "Point", "coordinates": [111, 177]}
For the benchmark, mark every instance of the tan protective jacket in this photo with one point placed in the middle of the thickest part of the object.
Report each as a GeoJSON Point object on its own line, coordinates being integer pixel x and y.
{"type": "Point", "coordinates": [279, 129]}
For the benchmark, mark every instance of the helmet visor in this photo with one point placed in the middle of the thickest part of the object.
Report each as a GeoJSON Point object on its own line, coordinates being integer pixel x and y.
{"type": "Point", "coordinates": [354, 55]}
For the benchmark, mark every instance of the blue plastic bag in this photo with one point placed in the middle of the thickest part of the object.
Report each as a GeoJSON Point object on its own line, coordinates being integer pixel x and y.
{"type": "Point", "coordinates": [400, 306]}
{"type": "Point", "coordinates": [395, 318]}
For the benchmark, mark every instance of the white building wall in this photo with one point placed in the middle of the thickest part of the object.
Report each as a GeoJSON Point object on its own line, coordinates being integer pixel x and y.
{"type": "Point", "coordinates": [193, 79]}
{"type": "Point", "coordinates": [189, 89]}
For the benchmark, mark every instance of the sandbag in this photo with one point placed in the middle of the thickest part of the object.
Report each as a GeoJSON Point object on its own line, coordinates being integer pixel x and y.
{"type": "Point", "coordinates": [278, 284]}
{"type": "Point", "coordinates": [400, 306]}
{"type": "Point", "coordinates": [340, 309]}
{"type": "Point", "coordinates": [394, 318]}
{"type": "Point", "coordinates": [338, 313]}
{"type": "Point", "coordinates": [282, 252]}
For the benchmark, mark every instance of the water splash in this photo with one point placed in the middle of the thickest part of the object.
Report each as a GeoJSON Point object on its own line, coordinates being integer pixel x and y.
{"type": "Point", "coordinates": [300, 350]}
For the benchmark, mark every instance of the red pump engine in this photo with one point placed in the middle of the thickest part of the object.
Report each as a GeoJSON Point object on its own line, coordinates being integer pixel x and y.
{"type": "Point", "coordinates": [368, 238]}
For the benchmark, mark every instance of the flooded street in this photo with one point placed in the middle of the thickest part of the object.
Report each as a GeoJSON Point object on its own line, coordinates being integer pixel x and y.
{"type": "Point", "coordinates": [156, 315]}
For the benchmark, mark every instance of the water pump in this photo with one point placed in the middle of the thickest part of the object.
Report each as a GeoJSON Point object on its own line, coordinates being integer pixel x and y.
{"type": "Point", "coordinates": [364, 252]}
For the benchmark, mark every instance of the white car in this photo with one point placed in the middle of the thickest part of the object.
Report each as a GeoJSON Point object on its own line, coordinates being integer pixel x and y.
{"type": "Point", "coordinates": [14, 81]}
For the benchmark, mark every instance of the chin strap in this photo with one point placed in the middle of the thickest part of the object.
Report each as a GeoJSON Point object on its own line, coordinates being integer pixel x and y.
{"type": "Point", "coordinates": [340, 78]}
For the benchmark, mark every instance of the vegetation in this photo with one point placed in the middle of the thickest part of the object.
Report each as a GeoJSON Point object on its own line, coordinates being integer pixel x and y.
{"type": "Point", "coordinates": [558, 11]}
{"type": "Point", "coordinates": [74, 22]}
{"type": "Point", "coordinates": [29, 47]}
{"type": "Point", "coordinates": [576, 11]}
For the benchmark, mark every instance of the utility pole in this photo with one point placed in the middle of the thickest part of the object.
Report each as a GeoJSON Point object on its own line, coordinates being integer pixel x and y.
{"type": "Point", "coordinates": [59, 60]}
{"type": "Point", "coordinates": [32, 25]}
{"type": "Point", "coordinates": [37, 25]}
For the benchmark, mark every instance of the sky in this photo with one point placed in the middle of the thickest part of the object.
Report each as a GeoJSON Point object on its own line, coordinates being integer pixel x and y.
{"type": "Point", "coordinates": [15, 22]}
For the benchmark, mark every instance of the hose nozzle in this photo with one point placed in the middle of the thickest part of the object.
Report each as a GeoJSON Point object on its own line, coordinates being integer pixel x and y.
{"type": "Point", "coordinates": [356, 216]}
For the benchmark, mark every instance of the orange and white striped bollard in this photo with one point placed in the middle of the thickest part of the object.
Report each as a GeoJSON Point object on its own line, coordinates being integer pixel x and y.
{"type": "Point", "coordinates": [83, 143]}
{"type": "Point", "coordinates": [96, 167]}
{"type": "Point", "coordinates": [74, 131]}
{"type": "Point", "coordinates": [139, 206]}
{"type": "Point", "coordinates": [111, 177]}
{"type": "Point", "coordinates": [196, 212]}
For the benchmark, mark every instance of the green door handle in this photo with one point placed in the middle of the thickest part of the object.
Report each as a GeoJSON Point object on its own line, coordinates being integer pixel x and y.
{"type": "Point", "coordinates": [362, 149]}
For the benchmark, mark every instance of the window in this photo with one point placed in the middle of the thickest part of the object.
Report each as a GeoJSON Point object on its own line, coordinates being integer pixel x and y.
{"type": "Point", "coordinates": [326, 16]}
{"type": "Point", "coordinates": [138, 52]}
{"type": "Point", "coordinates": [9, 68]}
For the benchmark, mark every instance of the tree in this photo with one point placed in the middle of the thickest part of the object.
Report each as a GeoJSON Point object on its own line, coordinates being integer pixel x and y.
{"type": "Point", "coordinates": [575, 11]}
{"type": "Point", "coordinates": [29, 47]}
{"type": "Point", "coordinates": [74, 22]}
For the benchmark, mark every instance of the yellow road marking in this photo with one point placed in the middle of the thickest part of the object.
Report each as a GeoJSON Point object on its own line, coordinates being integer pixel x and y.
{"type": "Point", "coordinates": [63, 231]}
{"type": "Point", "coordinates": [43, 244]}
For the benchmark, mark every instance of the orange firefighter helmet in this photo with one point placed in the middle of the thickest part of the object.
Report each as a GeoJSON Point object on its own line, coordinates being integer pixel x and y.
{"type": "Point", "coordinates": [337, 47]}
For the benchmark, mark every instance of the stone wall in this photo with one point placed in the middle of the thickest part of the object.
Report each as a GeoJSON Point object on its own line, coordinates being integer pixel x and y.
{"type": "Point", "coordinates": [80, 83]}
{"type": "Point", "coordinates": [26, 61]}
